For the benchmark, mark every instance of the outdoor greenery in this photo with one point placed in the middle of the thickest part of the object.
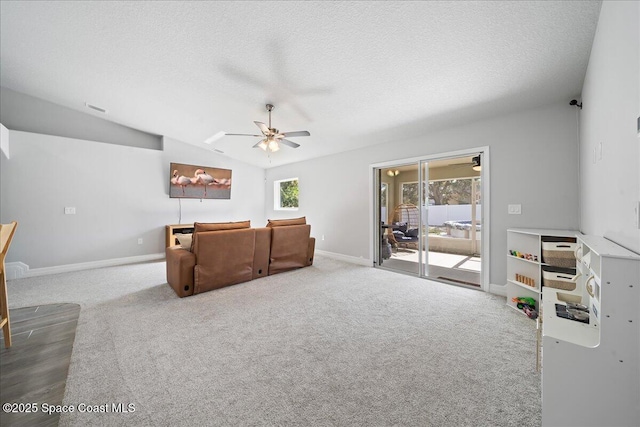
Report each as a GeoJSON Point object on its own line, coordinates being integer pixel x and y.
{"type": "Point", "coordinates": [289, 194]}
{"type": "Point", "coordinates": [410, 193]}
{"type": "Point", "coordinates": [454, 191]}
{"type": "Point", "coordinates": [446, 192]}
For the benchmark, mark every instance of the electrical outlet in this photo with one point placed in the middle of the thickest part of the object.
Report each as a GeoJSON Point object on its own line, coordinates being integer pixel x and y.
{"type": "Point", "coordinates": [323, 237]}
{"type": "Point", "coordinates": [69, 210]}
{"type": "Point", "coordinates": [140, 241]}
{"type": "Point", "coordinates": [514, 209]}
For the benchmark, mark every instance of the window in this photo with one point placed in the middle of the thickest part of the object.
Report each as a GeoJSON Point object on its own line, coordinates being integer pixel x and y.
{"type": "Point", "coordinates": [384, 187]}
{"type": "Point", "coordinates": [383, 195]}
{"type": "Point", "coordinates": [409, 193]}
{"type": "Point", "coordinates": [285, 194]}
{"type": "Point", "coordinates": [453, 191]}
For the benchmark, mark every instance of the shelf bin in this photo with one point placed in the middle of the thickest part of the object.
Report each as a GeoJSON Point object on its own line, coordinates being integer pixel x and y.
{"type": "Point", "coordinates": [558, 280]}
{"type": "Point", "coordinates": [559, 254]}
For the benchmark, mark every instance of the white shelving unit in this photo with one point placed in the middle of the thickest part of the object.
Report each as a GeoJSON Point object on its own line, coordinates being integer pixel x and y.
{"type": "Point", "coordinates": [528, 241]}
{"type": "Point", "coordinates": [591, 372]}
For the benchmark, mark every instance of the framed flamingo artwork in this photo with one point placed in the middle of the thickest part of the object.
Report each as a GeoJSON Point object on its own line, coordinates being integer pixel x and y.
{"type": "Point", "coordinates": [199, 182]}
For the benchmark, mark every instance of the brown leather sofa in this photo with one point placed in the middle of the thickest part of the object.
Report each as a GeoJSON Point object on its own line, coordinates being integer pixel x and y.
{"type": "Point", "coordinates": [223, 254]}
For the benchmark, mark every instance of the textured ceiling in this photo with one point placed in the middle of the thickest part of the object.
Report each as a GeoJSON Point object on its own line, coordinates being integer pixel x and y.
{"type": "Point", "coordinates": [352, 73]}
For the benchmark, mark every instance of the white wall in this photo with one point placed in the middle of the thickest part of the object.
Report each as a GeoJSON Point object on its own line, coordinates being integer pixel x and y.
{"type": "Point", "coordinates": [533, 162]}
{"type": "Point", "coordinates": [4, 141]}
{"type": "Point", "coordinates": [120, 194]}
{"type": "Point", "coordinates": [26, 113]}
{"type": "Point", "coordinates": [610, 187]}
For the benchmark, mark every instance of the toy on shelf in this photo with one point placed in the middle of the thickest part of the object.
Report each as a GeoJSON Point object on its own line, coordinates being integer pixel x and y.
{"type": "Point", "coordinates": [530, 312]}
{"type": "Point", "coordinates": [527, 305]}
{"type": "Point", "coordinates": [529, 257]}
{"type": "Point", "coordinates": [525, 280]}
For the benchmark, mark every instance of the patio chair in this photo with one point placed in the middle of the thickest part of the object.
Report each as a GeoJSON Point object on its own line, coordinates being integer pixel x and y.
{"type": "Point", "coordinates": [405, 226]}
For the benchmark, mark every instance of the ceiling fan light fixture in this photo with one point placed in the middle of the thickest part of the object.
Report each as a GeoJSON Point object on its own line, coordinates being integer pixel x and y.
{"type": "Point", "coordinates": [273, 145]}
{"type": "Point", "coordinates": [272, 136]}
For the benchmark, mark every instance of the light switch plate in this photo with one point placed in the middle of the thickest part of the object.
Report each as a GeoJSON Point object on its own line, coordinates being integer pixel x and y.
{"type": "Point", "coordinates": [600, 150]}
{"type": "Point", "coordinates": [514, 209]}
{"type": "Point", "coordinates": [70, 211]}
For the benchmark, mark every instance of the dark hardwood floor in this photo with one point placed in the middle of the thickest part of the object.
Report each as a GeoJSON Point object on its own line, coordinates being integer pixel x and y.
{"type": "Point", "coordinates": [34, 370]}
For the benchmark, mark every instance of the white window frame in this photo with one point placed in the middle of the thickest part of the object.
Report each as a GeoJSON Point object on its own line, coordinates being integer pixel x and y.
{"type": "Point", "coordinates": [276, 194]}
{"type": "Point", "coordinates": [385, 185]}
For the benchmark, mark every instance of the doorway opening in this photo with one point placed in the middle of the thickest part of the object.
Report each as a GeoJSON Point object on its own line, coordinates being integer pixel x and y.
{"type": "Point", "coordinates": [429, 217]}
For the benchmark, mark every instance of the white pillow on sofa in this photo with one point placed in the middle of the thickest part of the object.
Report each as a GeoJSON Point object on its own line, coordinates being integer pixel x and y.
{"type": "Point", "coordinates": [185, 240]}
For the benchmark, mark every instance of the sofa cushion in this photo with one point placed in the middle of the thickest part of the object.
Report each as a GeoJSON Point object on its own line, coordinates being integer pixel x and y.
{"type": "Point", "coordinates": [216, 226]}
{"type": "Point", "coordinates": [401, 226]}
{"type": "Point", "coordinates": [285, 222]}
{"type": "Point", "coordinates": [412, 232]}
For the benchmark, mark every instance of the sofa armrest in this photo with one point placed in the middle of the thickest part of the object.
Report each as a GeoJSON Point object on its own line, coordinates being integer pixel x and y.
{"type": "Point", "coordinates": [312, 250]}
{"type": "Point", "coordinates": [180, 265]}
{"type": "Point", "coordinates": [261, 252]}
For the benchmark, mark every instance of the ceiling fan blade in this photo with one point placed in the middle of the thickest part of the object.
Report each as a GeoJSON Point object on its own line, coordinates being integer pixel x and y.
{"type": "Point", "coordinates": [263, 128]}
{"type": "Point", "coordinates": [288, 143]}
{"type": "Point", "coordinates": [241, 134]}
{"type": "Point", "coordinates": [296, 133]}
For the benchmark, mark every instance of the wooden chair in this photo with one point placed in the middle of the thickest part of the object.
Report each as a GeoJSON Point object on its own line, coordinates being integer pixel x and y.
{"type": "Point", "coordinates": [6, 235]}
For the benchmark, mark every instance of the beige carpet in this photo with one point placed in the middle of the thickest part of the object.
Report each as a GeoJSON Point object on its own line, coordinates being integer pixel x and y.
{"type": "Point", "coordinates": [330, 345]}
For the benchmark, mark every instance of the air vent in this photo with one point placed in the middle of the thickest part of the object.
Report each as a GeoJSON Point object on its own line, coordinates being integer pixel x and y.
{"type": "Point", "coordinates": [93, 107]}
{"type": "Point", "coordinates": [218, 151]}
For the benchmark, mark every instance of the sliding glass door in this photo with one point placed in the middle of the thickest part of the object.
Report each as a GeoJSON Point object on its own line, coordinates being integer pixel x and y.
{"type": "Point", "coordinates": [429, 216]}
{"type": "Point", "coordinates": [398, 218]}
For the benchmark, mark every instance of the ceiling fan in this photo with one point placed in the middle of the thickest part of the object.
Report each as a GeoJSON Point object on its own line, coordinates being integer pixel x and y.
{"type": "Point", "coordinates": [272, 136]}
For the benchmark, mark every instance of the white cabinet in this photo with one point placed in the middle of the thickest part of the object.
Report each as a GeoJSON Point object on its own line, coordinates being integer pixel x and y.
{"type": "Point", "coordinates": [524, 269]}
{"type": "Point", "coordinates": [591, 372]}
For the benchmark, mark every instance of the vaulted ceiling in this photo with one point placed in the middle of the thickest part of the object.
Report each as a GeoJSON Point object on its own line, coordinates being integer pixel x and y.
{"type": "Point", "coordinates": [352, 73]}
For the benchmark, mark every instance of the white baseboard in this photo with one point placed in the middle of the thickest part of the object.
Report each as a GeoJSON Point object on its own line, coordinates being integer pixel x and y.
{"type": "Point", "coordinates": [346, 258]}
{"type": "Point", "coordinates": [18, 270]}
{"type": "Point", "coordinates": [498, 289]}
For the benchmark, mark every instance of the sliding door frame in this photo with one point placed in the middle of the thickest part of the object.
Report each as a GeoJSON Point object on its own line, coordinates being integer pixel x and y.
{"type": "Point", "coordinates": [374, 226]}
